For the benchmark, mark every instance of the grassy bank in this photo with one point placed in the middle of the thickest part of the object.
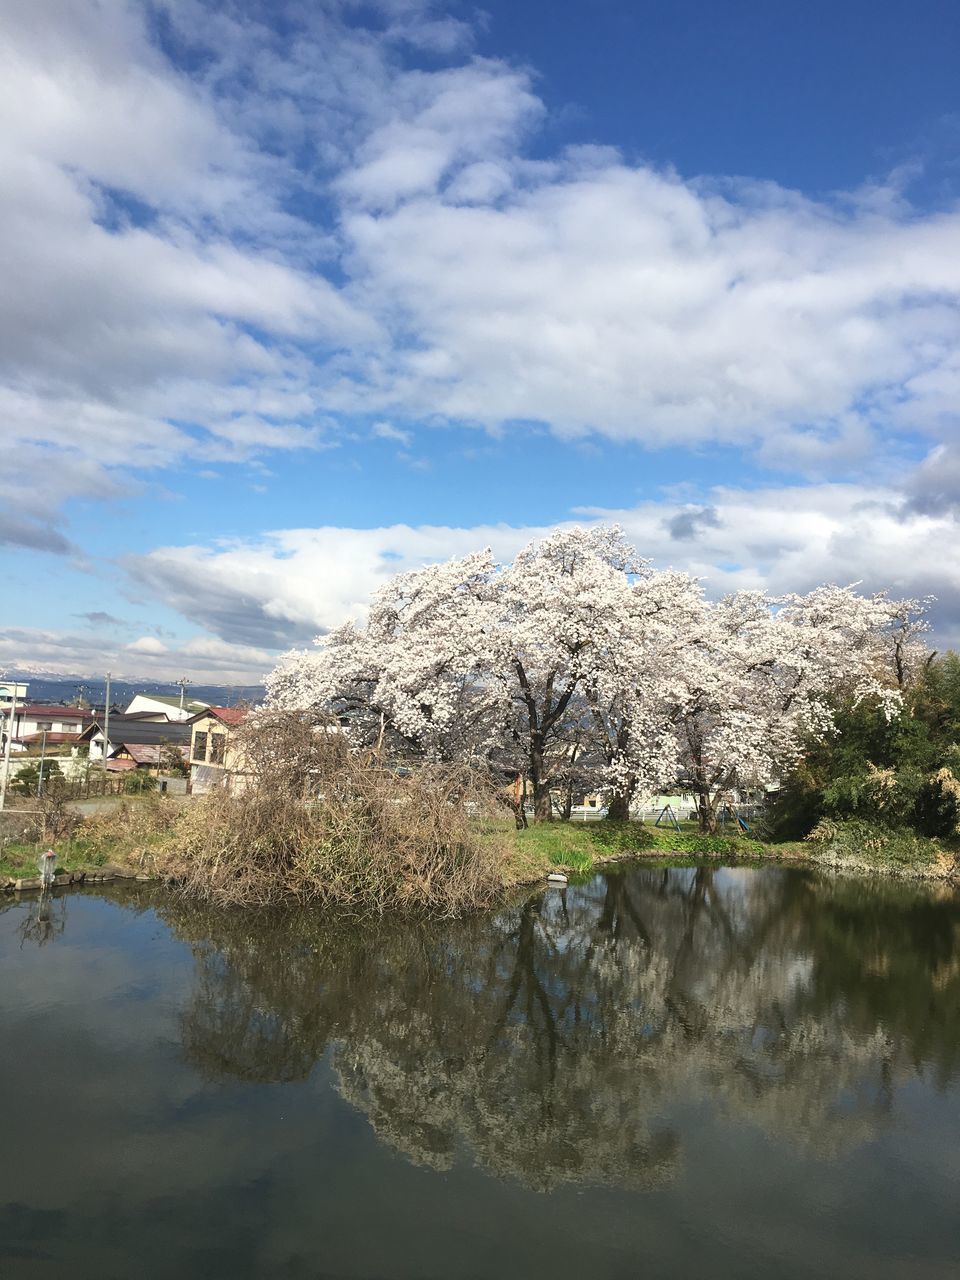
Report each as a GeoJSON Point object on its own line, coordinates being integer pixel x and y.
{"type": "Point", "coordinates": [131, 836]}
{"type": "Point", "coordinates": [577, 848]}
{"type": "Point", "coordinates": [152, 834]}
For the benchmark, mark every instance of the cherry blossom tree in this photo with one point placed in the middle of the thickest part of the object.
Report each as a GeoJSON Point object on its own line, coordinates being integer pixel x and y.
{"type": "Point", "coordinates": [544, 666]}
{"type": "Point", "coordinates": [579, 663]}
{"type": "Point", "coordinates": [761, 677]}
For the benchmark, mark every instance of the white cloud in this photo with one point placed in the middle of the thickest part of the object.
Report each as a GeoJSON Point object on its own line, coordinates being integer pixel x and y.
{"type": "Point", "coordinates": [632, 303]}
{"type": "Point", "coordinates": [203, 658]}
{"type": "Point", "coordinates": [250, 599]}
{"type": "Point", "coordinates": [387, 431]}
{"type": "Point", "coordinates": [285, 587]}
{"type": "Point", "coordinates": [162, 303]}
{"type": "Point", "coordinates": [147, 645]}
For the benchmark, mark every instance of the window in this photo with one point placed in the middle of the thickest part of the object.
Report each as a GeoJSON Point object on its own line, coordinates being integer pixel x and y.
{"type": "Point", "coordinates": [44, 724]}
{"type": "Point", "coordinates": [199, 746]}
{"type": "Point", "coordinates": [217, 743]}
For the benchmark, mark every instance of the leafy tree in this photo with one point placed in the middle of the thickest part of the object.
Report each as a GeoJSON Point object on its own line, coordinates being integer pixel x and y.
{"type": "Point", "coordinates": [896, 772]}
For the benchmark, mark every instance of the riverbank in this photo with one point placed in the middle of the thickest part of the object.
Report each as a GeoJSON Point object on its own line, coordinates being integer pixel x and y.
{"type": "Point", "coordinates": [127, 841]}
{"type": "Point", "coordinates": [136, 839]}
{"type": "Point", "coordinates": [576, 848]}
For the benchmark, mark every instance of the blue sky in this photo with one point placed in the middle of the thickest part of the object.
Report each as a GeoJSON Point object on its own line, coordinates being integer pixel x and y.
{"type": "Point", "coordinates": [301, 294]}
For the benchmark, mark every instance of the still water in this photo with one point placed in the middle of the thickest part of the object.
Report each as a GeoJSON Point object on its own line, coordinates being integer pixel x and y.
{"type": "Point", "coordinates": [685, 1072]}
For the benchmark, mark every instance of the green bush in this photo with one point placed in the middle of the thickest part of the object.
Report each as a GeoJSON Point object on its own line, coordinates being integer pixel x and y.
{"type": "Point", "coordinates": [137, 781]}
{"type": "Point", "coordinates": [872, 844]}
{"type": "Point", "coordinates": [28, 779]}
{"type": "Point", "coordinates": [937, 808]}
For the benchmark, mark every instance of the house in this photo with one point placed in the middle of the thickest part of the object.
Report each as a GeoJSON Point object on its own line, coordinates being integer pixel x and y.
{"type": "Point", "coordinates": [11, 691]}
{"type": "Point", "coordinates": [161, 707]}
{"type": "Point", "coordinates": [152, 758]}
{"type": "Point", "coordinates": [214, 758]}
{"type": "Point", "coordinates": [126, 731]}
{"type": "Point", "coordinates": [35, 722]}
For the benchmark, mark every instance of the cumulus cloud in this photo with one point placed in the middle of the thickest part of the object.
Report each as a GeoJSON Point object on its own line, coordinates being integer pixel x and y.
{"type": "Point", "coordinates": [64, 653]}
{"type": "Point", "coordinates": [689, 523]}
{"type": "Point", "coordinates": [934, 487]}
{"type": "Point", "coordinates": [147, 645]}
{"type": "Point", "coordinates": [292, 584]}
{"type": "Point", "coordinates": [250, 599]}
{"type": "Point", "coordinates": [166, 297]}
{"type": "Point", "coordinates": [284, 588]}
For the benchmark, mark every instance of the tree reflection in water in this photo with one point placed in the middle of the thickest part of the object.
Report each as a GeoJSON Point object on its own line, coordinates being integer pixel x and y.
{"type": "Point", "coordinates": [43, 917]}
{"type": "Point", "coordinates": [553, 1041]}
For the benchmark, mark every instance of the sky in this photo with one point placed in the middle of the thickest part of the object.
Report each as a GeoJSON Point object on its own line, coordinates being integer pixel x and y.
{"type": "Point", "coordinates": [300, 294]}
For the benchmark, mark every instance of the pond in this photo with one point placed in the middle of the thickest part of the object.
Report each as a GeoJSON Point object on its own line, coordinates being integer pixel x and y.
{"type": "Point", "coordinates": [690, 1071]}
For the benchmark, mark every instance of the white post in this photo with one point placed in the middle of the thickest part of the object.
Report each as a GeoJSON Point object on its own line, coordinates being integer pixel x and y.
{"type": "Point", "coordinates": [11, 716]}
{"type": "Point", "coordinates": [43, 756]}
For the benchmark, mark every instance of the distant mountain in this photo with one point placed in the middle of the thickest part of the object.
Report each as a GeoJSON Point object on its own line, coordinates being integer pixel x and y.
{"type": "Point", "coordinates": [61, 689]}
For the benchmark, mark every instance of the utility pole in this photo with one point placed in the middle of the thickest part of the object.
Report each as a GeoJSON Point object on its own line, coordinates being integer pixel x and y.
{"type": "Point", "coordinates": [43, 756]}
{"type": "Point", "coordinates": [106, 730]}
{"type": "Point", "coordinates": [11, 717]}
{"type": "Point", "coordinates": [183, 682]}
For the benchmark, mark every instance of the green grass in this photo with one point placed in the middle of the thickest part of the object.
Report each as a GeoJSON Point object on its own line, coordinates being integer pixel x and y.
{"type": "Point", "coordinates": [577, 847]}
{"type": "Point", "coordinates": [124, 836]}
{"type": "Point", "coordinates": [858, 845]}
{"type": "Point", "coordinates": [19, 859]}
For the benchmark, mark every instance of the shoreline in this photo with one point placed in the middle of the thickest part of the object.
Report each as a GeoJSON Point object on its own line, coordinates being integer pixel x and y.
{"type": "Point", "coordinates": [535, 853]}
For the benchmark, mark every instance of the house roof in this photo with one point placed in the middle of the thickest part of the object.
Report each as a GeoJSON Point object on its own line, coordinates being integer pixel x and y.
{"type": "Point", "coordinates": [51, 711]}
{"type": "Point", "coordinates": [51, 739]}
{"type": "Point", "coordinates": [124, 730]}
{"type": "Point", "coordinates": [226, 715]}
{"type": "Point", "coordinates": [143, 753]}
{"type": "Point", "coordinates": [173, 700]}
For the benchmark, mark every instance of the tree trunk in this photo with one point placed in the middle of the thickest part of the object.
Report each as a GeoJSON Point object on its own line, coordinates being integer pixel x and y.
{"type": "Point", "coordinates": [542, 804]}
{"type": "Point", "coordinates": [618, 810]}
{"type": "Point", "coordinates": [568, 802]}
{"type": "Point", "coordinates": [705, 811]}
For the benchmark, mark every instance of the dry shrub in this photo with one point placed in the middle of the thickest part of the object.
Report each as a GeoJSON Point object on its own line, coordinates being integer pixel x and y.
{"type": "Point", "coordinates": [48, 816]}
{"type": "Point", "coordinates": [131, 827]}
{"type": "Point", "coordinates": [306, 817]}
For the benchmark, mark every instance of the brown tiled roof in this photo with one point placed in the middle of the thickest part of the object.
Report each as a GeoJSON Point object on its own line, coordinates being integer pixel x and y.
{"type": "Point", "coordinates": [31, 710]}
{"type": "Point", "coordinates": [51, 739]}
{"type": "Point", "coordinates": [227, 715]}
{"type": "Point", "coordinates": [144, 753]}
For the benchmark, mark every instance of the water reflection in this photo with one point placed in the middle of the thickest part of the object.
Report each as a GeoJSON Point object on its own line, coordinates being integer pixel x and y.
{"type": "Point", "coordinates": [559, 1041]}
{"type": "Point", "coordinates": [43, 918]}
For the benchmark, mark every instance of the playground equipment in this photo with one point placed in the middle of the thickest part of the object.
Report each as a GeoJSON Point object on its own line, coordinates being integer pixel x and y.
{"type": "Point", "coordinates": [666, 814]}
{"type": "Point", "coordinates": [729, 810]}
